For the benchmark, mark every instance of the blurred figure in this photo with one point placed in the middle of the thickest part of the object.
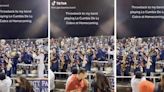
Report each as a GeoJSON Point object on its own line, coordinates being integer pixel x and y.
{"type": "Point", "coordinates": [137, 78]}
{"type": "Point", "coordinates": [77, 82]}
{"type": "Point", "coordinates": [5, 83]}
{"type": "Point", "coordinates": [160, 86]}
{"type": "Point", "coordinates": [52, 78]}
{"type": "Point", "coordinates": [23, 85]}
{"type": "Point", "coordinates": [101, 83]}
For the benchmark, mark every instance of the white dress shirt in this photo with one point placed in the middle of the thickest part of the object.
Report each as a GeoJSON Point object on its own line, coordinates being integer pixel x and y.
{"type": "Point", "coordinates": [5, 85]}
{"type": "Point", "coordinates": [135, 82]}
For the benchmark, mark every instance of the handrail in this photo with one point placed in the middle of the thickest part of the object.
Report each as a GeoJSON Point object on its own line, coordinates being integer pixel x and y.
{"type": "Point", "coordinates": [23, 64]}
{"type": "Point", "coordinates": [89, 73]}
{"type": "Point", "coordinates": [149, 77]}
{"type": "Point", "coordinates": [128, 77]}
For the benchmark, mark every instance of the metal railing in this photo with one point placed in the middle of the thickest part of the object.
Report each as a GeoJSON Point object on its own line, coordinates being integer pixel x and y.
{"type": "Point", "coordinates": [153, 78]}
{"type": "Point", "coordinates": [26, 71]}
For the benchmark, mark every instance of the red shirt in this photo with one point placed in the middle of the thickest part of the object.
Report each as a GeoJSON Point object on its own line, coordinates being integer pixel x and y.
{"type": "Point", "coordinates": [146, 86]}
{"type": "Point", "coordinates": [75, 84]}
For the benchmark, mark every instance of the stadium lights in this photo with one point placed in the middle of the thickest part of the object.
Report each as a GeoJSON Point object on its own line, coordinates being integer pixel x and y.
{"type": "Point", "coordinates": [37, 26]}
{"type": "Point", "coordinates": [56, 31]}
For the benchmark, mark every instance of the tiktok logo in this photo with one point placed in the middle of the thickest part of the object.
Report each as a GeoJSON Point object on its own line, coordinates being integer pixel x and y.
{"type": "Point", "coordinates": [53, 3]}
{"type": "Point", "coordinates": [61, 3]}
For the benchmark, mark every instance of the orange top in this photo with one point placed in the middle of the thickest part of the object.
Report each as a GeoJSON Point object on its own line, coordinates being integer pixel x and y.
{"type": "Point", "coordinates": [75, 84]}
{"type": "Point", "coordinates": [146, 86]}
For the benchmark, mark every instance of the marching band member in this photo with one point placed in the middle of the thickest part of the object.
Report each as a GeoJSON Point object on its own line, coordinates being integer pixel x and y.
{"type": "Point", "coordinates": [40, 60]}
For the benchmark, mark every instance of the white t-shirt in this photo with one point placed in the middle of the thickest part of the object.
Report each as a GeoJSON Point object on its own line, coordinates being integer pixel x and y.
{"type": "Point", "coordinates": [135, 82]}
{"type": "Point", "coordinates": [5, 85]}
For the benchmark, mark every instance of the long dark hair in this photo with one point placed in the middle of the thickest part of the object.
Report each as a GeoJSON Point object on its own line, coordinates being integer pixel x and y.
{"type": "Point", "coordinates": [24, 83]}
{"type": "Point", "coordinates": [162, 83]}
{"type": "Point", "coordinates": [102, 82]}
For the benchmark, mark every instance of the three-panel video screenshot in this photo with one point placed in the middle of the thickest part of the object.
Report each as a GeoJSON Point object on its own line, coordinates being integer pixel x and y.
{"type": "Point", "coordinates": [81, 46]}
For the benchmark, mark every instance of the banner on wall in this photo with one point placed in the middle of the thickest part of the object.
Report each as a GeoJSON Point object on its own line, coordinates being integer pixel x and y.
{"type": "Point", "coordinates": [40, 85]}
